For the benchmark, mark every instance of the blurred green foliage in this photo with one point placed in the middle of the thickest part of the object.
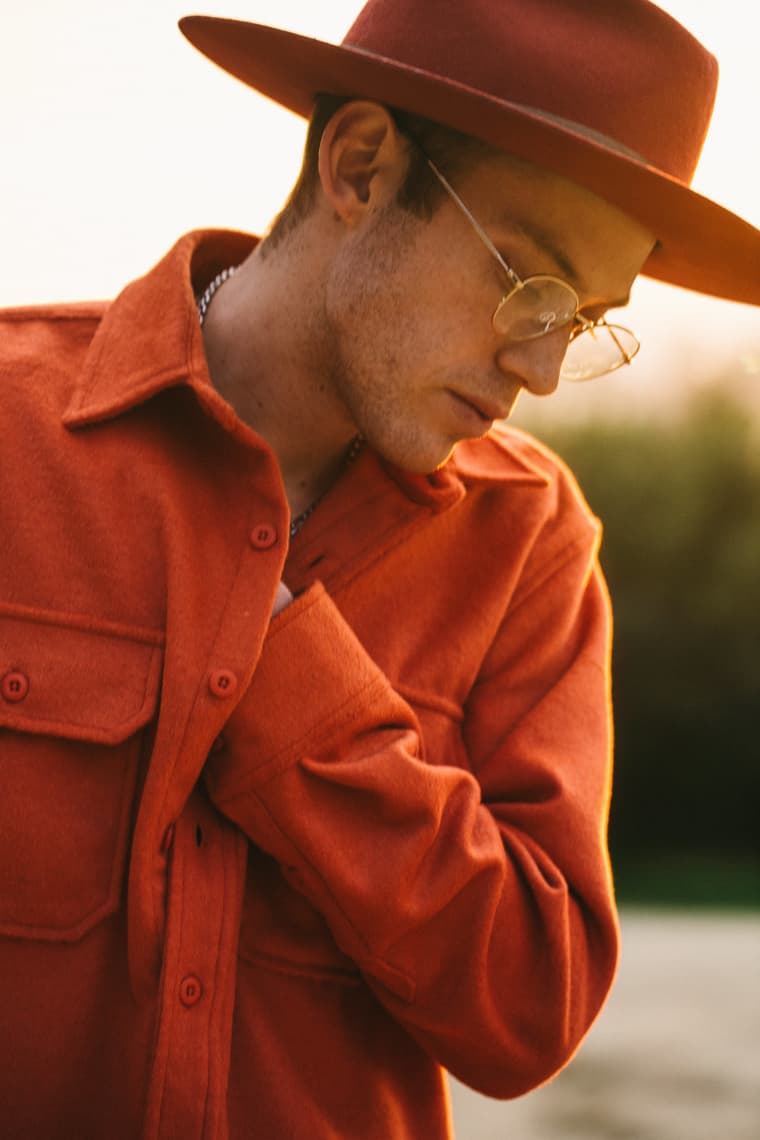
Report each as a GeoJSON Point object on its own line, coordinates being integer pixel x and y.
{"type": "Point", "coordinates": [680, 503]}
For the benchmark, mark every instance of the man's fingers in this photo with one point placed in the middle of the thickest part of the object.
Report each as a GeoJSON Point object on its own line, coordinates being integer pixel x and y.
{"type": "Point", "coordinates": [282, 599]}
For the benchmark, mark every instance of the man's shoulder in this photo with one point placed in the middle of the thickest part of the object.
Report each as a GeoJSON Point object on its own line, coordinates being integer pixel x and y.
{"type": "Point", "coordinates": [510, 454]}
{"type": "Point", "coordinates": [35, 335]}
{"type": "Point", "coordinates": [42, 349]}
{"type": "Point", "coordinates": [25, 326]}
{"type": "Point", "coordinates": [526, 471]}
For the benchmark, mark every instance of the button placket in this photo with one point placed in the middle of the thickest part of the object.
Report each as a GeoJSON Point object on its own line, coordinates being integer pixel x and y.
{"type": "Point", "coordinates": [223, 683]}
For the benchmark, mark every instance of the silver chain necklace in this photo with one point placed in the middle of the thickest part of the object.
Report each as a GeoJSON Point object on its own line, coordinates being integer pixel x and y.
{"type": "Point", "coordinates": [207, 295]}
{"type": "Point", "coordinates": [203, 303]}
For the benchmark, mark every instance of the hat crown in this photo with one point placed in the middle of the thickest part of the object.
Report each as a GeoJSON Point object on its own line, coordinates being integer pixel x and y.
{"type": "Point", "coordinates": [622, 69]}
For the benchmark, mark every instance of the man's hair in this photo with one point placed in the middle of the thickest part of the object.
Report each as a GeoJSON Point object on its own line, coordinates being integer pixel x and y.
{"type": "Point", "coordinates": [421, 191]}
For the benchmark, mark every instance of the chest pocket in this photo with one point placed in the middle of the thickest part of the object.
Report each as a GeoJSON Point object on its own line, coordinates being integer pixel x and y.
{"type": "Point", "coordinates": [73, 699]}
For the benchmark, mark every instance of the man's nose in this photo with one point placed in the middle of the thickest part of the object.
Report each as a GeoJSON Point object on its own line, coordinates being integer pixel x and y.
{"type": "Point", "coordinates": [536, 363]}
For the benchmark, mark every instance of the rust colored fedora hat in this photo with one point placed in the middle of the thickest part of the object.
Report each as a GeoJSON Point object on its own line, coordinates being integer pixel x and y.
{"type": "Point", "coordinates": [613, 94]}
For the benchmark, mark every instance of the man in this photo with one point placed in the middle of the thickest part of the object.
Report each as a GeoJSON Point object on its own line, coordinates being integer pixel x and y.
{"type": "Point", "coordinates": [303, 668]}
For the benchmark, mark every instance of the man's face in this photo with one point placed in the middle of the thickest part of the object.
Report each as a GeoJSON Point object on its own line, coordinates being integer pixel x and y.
{"type": "Point", "coordinates": [408, 305]}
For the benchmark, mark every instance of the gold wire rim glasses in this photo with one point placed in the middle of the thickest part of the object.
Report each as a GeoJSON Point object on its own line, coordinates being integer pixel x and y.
{"type": "Point", "coordinates": [624, 341]}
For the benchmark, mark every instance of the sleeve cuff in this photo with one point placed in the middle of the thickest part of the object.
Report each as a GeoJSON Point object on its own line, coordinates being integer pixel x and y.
{"type": "Point", "coordinates": [314, 682]}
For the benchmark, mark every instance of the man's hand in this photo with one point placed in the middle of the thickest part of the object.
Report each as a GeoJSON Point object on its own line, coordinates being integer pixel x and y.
{"type": "Point", "coordinates": [282, 599]}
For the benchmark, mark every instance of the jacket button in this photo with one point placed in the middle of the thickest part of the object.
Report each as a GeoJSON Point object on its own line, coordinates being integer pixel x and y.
{"type": "Point", "coordinates": [223, 683]}
{"type": "Point", "coordinates": [263, 536]}
{"type": "Point", "coordinates": [190, 991]}
{"type": "Point", "coordinates": [14, 687]}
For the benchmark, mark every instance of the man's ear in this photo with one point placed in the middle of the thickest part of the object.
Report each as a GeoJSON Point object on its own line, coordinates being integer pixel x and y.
{"type": "Point", "coordinates": [362, 159]}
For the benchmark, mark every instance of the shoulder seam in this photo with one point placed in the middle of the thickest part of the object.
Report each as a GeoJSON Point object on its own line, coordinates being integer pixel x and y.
{"type": "Point", "coordinates": [45, 313]}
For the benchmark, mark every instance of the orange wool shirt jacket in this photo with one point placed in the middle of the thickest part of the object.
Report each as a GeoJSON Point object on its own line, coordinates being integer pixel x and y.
{"type": "Point", "coordinates": [269, 879]}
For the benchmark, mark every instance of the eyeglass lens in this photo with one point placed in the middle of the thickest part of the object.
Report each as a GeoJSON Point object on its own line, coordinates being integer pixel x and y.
{"type": "Point", "coordinates": [598, 349]}
{"type": "Point", "coordinates": [538, 307]}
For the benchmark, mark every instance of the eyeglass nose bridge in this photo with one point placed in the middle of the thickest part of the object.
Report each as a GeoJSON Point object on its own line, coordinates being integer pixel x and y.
{"type": "Point", "coordinates": [611, 330]}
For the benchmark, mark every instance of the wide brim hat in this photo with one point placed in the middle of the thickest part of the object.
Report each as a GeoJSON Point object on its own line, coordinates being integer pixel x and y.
{"type": "Point", "coordinates": [612, 94]}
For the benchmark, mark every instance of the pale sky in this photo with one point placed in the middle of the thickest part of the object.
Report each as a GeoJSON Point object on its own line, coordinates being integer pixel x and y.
{"type": "Point", "coordinates": [117, 137]}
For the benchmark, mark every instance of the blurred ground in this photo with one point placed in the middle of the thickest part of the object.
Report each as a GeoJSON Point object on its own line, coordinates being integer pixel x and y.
{"type": "Point", "coordinates": [674, 1056]}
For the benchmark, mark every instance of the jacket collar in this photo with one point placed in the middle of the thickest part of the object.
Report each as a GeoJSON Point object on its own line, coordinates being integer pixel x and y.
{"type": "Point", "coordinates": [133, 355]}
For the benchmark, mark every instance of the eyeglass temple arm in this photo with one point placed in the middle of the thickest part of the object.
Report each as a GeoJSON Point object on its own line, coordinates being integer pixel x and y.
{"type": "Point", "coordinates": [516, 281]}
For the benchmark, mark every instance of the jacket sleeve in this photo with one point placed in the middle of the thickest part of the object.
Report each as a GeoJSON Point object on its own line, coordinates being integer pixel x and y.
{"type": "Point", "coordinates": [477, 903]}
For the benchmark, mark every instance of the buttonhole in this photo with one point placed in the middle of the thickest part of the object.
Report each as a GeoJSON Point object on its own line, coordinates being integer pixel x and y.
{"type": "Point", "coordinates": [199, 836]}
{"type": "Point", "coordinates": [316, 561]}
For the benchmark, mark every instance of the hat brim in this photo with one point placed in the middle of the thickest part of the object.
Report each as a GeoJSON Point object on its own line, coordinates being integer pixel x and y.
{"type": "Point", "coordinates": [700, 245]}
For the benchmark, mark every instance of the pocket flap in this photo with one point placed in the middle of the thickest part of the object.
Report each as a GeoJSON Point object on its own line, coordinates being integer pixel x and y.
{"type": "Point", "coordinates": [74, 677]}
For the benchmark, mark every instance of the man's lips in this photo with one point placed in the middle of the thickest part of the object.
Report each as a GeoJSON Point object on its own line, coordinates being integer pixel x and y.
{"type": "Point", "coordinates": [487, 411]}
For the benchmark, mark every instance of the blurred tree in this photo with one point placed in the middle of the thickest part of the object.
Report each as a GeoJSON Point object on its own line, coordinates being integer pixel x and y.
{"type": "Point", "coordinates": [680, 503]}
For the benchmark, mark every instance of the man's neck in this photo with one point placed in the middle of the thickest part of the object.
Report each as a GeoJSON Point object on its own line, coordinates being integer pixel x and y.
{"type": "Point", "coordinates": [266, 356]}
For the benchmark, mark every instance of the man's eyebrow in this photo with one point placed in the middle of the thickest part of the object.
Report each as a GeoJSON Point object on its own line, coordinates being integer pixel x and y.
{"type": "Point", "coordinates": [546, 243]}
